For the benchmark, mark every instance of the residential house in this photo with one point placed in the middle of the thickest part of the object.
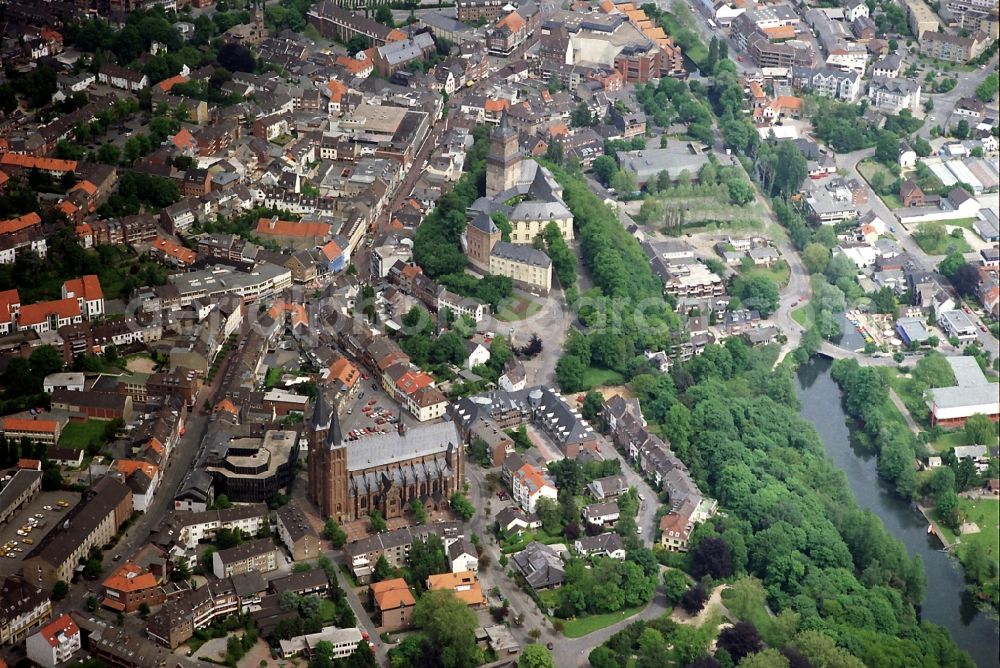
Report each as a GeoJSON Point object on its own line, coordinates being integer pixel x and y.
{"type": "Point", "coordinates": [602, 545]}
{"type": "Point", "coordinates": [541, 566]}
{"type": "Point", "coordinates": [54, 643]}
{"type": "Point", "coordinates": [253, 556]}
{"type": "Point", "coordinates": [394, 603]}
{"type": "Point", "coordinates": [601, 514]}
{"type": "Point", "coordinates": [530, 484]}
{"type": "Point", "coordinates": [464, 584]}
{"type": "Point", "coordinates": [22, 608]}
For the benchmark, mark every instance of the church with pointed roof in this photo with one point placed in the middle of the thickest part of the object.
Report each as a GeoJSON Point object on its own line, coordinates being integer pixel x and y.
{"type": "Point", "coordinates": [384, 472]}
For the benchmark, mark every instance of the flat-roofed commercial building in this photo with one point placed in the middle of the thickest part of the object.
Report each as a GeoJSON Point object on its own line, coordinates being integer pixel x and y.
{"type": "Point", "coordinates": [972, 394]}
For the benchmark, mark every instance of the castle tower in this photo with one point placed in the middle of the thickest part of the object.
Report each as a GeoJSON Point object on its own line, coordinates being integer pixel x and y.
{"type": "Point", "coordinates": [328, 479]}
{"type": "Point", "coordinates": [503, 165]}
{"type": "Point", "coordinates": [481, 235]}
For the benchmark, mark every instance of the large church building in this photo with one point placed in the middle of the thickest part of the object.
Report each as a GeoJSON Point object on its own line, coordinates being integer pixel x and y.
{"type": "Point", "coordinates": [384, 472]}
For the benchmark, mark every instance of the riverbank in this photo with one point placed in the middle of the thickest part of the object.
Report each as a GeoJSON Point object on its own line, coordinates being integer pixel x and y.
{"type": "Point", "coordinates": [932, 527]}
{"type": "Point", "coordinates": [947, 602]}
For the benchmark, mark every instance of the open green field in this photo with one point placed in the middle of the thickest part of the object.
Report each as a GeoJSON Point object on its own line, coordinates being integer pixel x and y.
{"type": "Point", "coordinates": [601, 377]}
{"type": "Point", "coordinates": [869, 168]}
{"type": "Point", "coordinates": [581, 626]}
{"type": "Point", "coordinates": [81, 434]}
{"type": "Point", "coordinates": [517, 543]}
{"type": "Point", "coordinates": [964, 223]}
{"type": "Point", "coordinates": [699, 208]}
{"type": "Point", "coordinates": [549, 597]}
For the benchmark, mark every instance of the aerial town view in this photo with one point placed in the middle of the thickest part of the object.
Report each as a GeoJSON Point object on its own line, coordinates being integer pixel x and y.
{"type": "Point", "coordinates": [504, 333]}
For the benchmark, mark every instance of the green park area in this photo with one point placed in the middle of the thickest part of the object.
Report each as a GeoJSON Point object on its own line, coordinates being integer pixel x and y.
{"type": "Point", "coordinates": [597, 377]}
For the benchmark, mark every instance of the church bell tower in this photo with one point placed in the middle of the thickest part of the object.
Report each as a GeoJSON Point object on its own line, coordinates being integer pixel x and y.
{"type": "Point", "coordinates": [328, 479]}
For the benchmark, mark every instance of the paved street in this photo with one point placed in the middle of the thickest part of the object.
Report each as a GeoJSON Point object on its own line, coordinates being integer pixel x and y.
{"type": "Point", "coordinates": [180, 463]}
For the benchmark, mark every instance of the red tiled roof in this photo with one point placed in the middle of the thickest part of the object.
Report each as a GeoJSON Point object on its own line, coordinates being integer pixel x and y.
{"type": "Point", "coordinates": [411, 381]}
{"type": "Point", "coordinates": [29, 425]}
{"type": "Point", "coordinates": [34, 314]}
{"type": "Point", "coordinates": [167, 84]}
{"type": "Point", "coordinates": [86, 287]}
{"type": "Point", "coordinates": [128, 466]}
{"type": "Point", "coordinates": [8, 299]}
{"type": "Point", "coordinates": [36, 162]}
{"type": "Point", "coordinates": [338, 89]}
{"type": "Point", "coordinates": [392, 594]}
{"type": "Point", "coordinates": [130, 577]}
{"type": "Point", "coordinates": [86, 186]}
{"type": "Point", "coordinates": [331, 250]}
{"type": "Point", "coordinates": [512, 22]}
{"type": "Point", "coordinates": [64, 625]}
{"type": "Point", "coordinates": [20, 223]}
{"type": "Point", "coordinates": [180, 253]}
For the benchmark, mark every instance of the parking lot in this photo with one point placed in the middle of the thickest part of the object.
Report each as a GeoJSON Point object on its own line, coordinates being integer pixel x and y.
{"type": "Point", "coordinates": [366, 409]}
{"type": "Point", "coordinates": [49, 518]}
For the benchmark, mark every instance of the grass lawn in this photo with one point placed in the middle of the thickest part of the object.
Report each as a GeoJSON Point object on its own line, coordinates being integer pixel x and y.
{"type": "Point", "coordinates": [869, 168]}
{"type": "Point", "coordinates": [598, 377]}
{"type": "Point", "coordinates": [549, 597]}
{"type": "Point", "coordinates": [892, 201]}
{"type": "Point", "coordinates": [964, 223]}
{"type": "Point", "coordinates": [911, 392]}
{"type": "Point", "coordinates": [273, 376]}
{"type": "Point", "coordinates": [779, 272]}
{"type": "Point", "coordinates": [986, 514]}
{"type": "Point", "coordinates": [941, 246]}
{"type": "Point", "coordinates": [516, 544]}
{"type": "Point", "coordinates": [949, 440]}
{"type": "Point", "coordinates": [803, 315]}
{"type": "Point", "coordinates": [327, 610]}
{"type": "Point", "coordinates": [581, 626]}
{"type": "Point", "coordinates": [81, 434]}
{"type": "Point", "coordinates": [517, 308]}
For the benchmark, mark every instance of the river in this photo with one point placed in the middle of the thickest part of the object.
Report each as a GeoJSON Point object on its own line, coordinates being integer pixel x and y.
{"type": "Point", "coordinates": [945, 602]}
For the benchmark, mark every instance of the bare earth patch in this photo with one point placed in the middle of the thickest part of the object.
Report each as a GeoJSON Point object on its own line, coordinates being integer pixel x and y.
{"type": "Point", "coordinates": [969, 528]}
{"type": "Point", "coordinates": [141, 365]}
